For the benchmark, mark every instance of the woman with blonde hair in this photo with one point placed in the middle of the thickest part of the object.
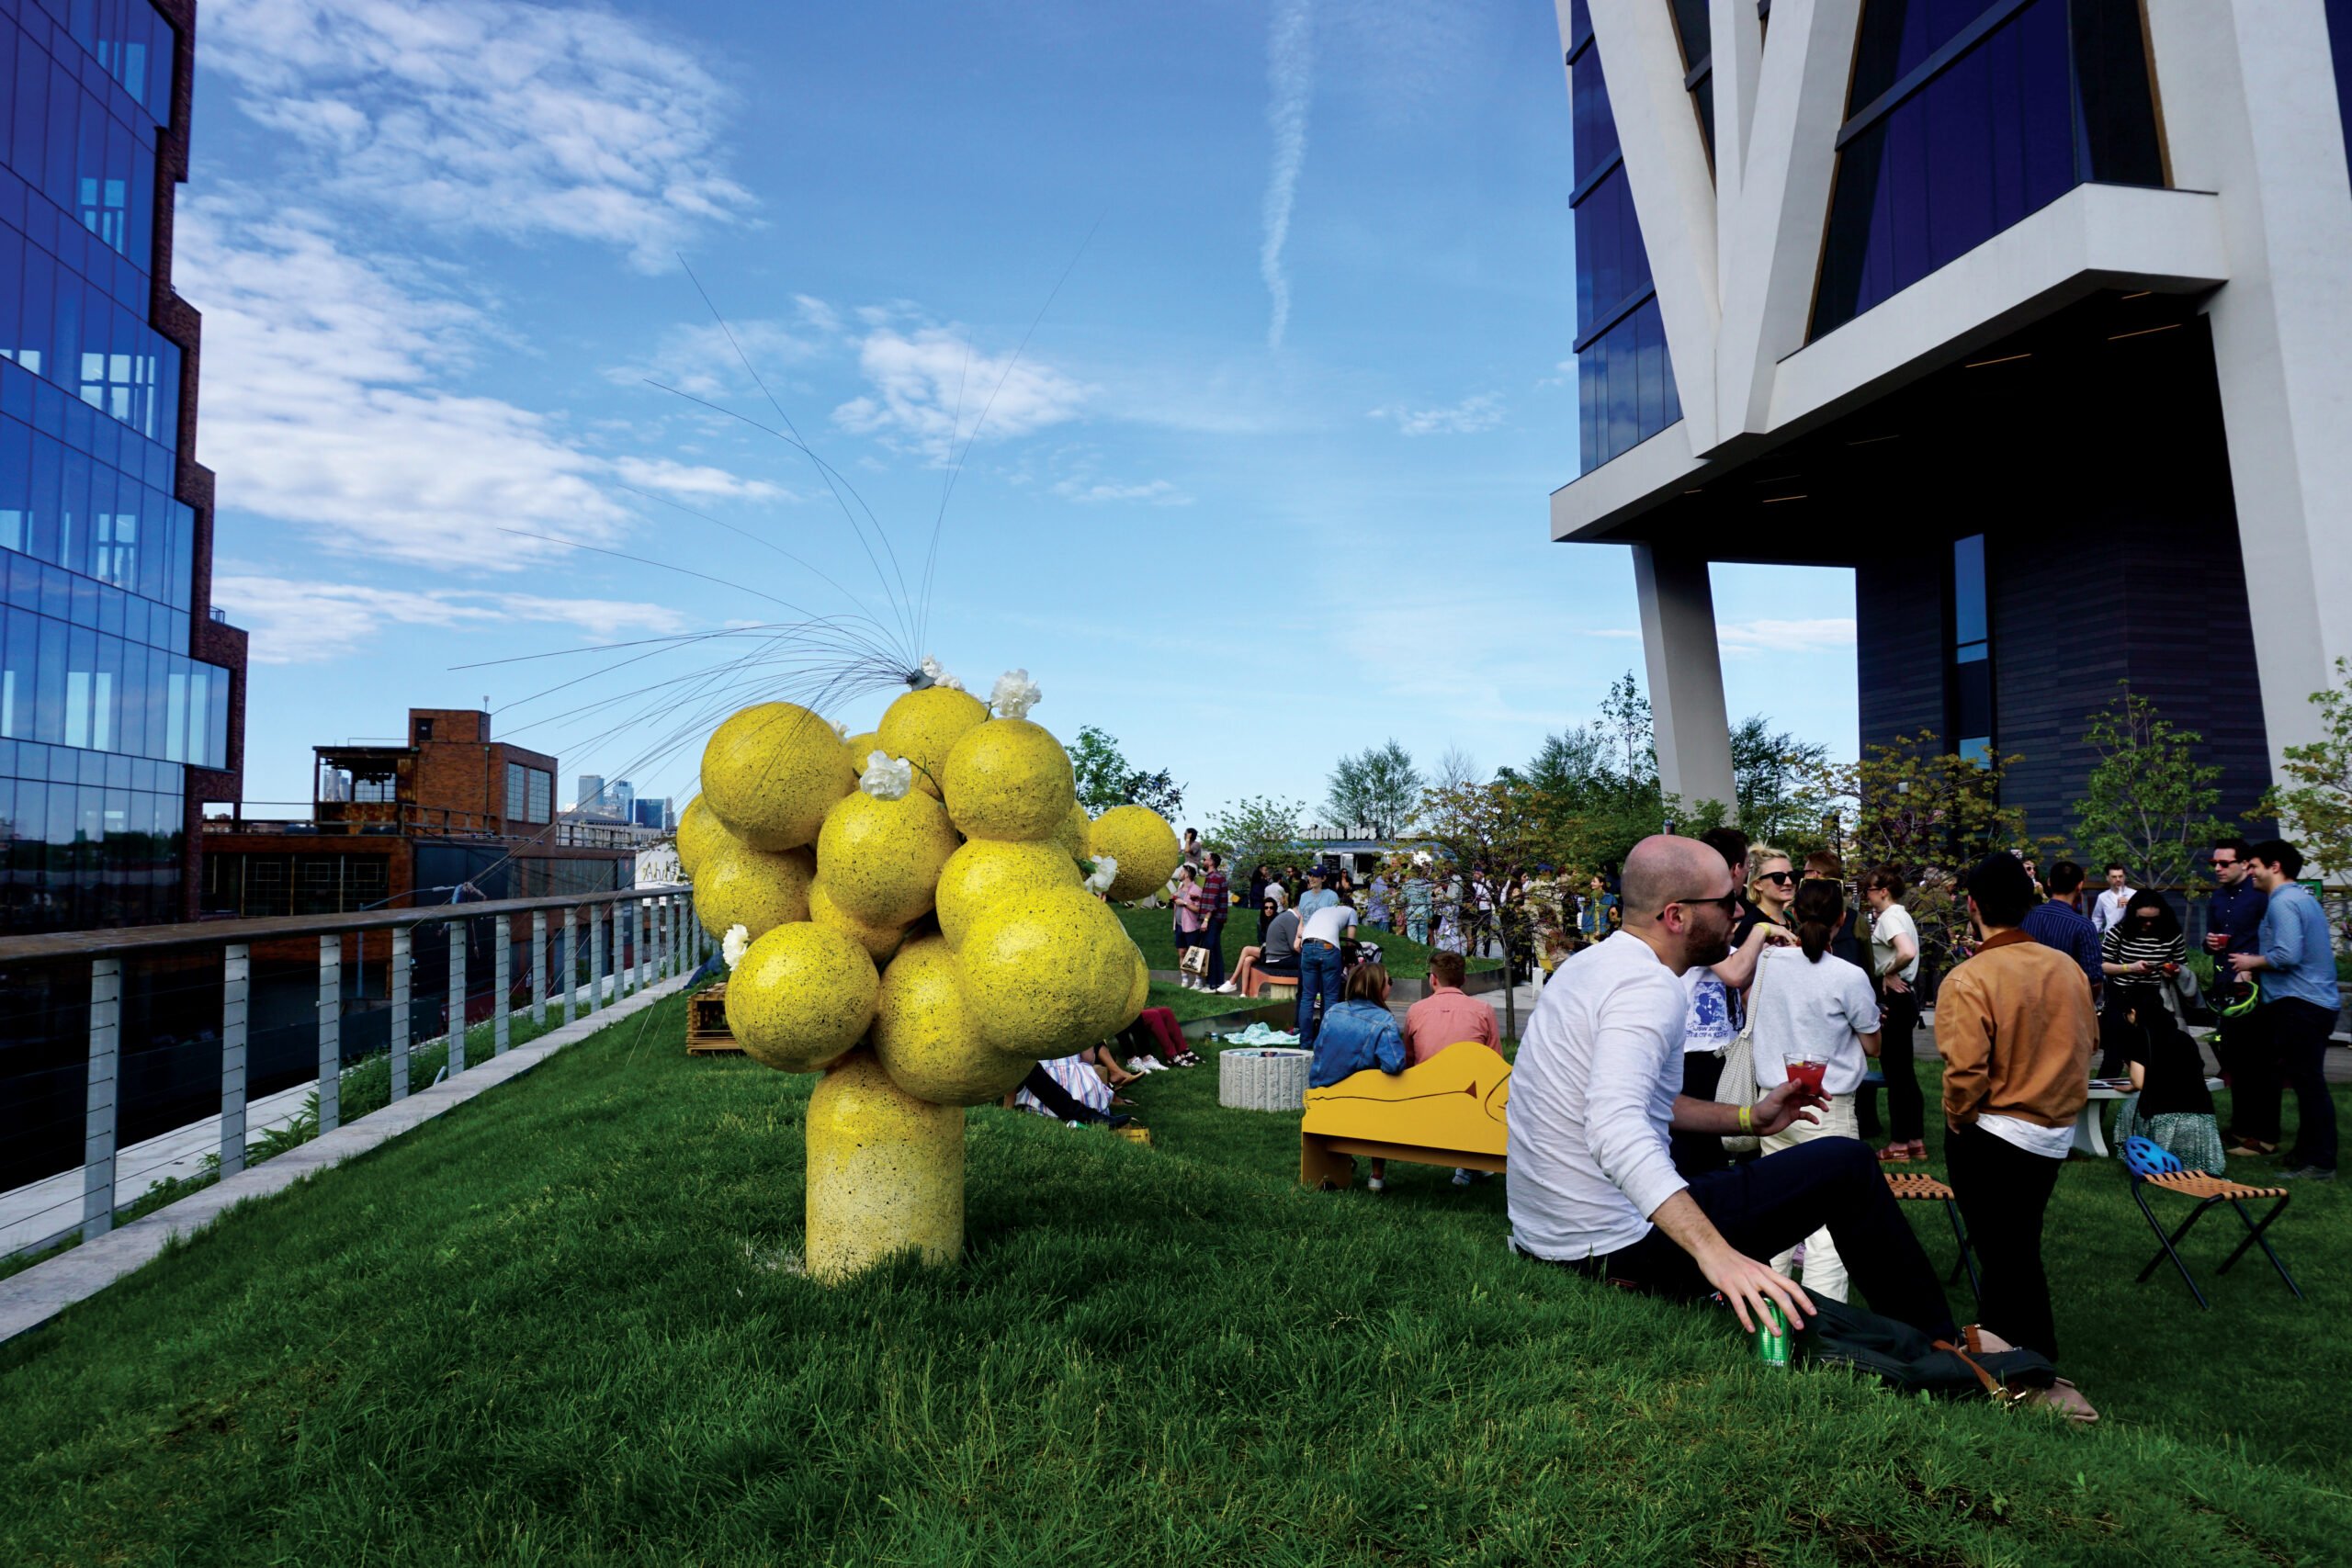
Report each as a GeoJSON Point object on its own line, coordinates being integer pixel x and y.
{"type": "Point", "coordinates": [1772, 883]}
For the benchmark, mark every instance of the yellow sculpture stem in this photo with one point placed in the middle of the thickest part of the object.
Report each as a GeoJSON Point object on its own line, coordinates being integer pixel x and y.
{"type": "Point", "coordinates": [886, 1173]}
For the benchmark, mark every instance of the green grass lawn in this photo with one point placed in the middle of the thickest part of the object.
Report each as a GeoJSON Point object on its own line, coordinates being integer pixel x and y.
{"type": "Point", "coordinates": [563, 1323]}
{"type": "Point", "coordinates": [1154, 930]}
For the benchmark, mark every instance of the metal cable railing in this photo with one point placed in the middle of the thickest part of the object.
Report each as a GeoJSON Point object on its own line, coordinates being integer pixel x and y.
{"type": "Point", "coordinates": [596, 947]}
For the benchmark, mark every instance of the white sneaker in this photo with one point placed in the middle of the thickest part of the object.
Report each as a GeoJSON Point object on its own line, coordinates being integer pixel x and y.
{"type": "Point", "coordinates": [1227, 988]}
{"type": "Point", "coordinates": [1376, 1184]}
{"type": "Point", "coordinates": [1462, 1177]}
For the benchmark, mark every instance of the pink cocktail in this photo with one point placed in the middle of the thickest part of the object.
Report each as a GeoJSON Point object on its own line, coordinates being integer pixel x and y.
{"type": "Point", "coordinates": [1806, 1071]}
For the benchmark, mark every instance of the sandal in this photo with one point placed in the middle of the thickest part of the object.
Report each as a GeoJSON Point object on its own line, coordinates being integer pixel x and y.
{"type": "Point", "coordinates": [1894, 1154]}
{"type": "Point", "coordinates": [1919, 1148]}
{"type": "Point", "coordinates": [2064, 1398]}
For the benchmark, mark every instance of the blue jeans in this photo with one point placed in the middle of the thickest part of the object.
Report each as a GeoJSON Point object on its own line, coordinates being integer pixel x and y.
{"type": "Point", "coordinates": [1319, 976]}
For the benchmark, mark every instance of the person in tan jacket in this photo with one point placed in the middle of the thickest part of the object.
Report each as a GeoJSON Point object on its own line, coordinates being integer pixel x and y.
{"type": "Point", "coordinates": [2016, 1028]}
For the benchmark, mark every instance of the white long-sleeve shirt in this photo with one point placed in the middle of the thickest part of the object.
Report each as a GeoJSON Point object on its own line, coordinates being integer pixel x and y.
{"type": "Point", "coordinates": [1592, 1096]}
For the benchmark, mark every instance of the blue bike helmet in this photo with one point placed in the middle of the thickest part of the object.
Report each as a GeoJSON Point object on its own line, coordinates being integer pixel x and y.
{"type": "Point", "coordinates": [2148, 1158]}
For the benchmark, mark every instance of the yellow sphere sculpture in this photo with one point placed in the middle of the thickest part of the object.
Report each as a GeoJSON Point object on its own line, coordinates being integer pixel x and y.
{"type": "Point", "coordinates": [881, 858]}
{"type": "Point", "coordinates": [987, 871]}
{"type": "Point", "coordinates": [1047, 974]}
{"type": "Point", "coordinates": [1071, 834]}
{"type": "Point", "coordinates": [699, 832]}
{"type": "Point", "coordinates": [924, 1036]}
{"type": "Point", "coordinates": [801, 997]}
{"type": "Point", "coordinates": [739, 886]}
{"type": "Point", "coordinates": [879, 942]}
{"type": "Point", "coordinates": [1139, 989]}
{"type": "Point", "coordinates": [772, 772]}
{"type": "Point", "coordinates": [1142, 844]}
{"type": "Point", "coordinates": [861, 747]}
{"type": "Point", "coordinates": [1009, 779]}
{"type": "Point", "coordinates": [923, 726]}
{"type": "Point", "coordinates": [886, 1172]}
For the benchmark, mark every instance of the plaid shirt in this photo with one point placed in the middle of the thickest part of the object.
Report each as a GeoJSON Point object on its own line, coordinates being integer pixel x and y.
{"type": "Point", "coordinates": [1213, 897]}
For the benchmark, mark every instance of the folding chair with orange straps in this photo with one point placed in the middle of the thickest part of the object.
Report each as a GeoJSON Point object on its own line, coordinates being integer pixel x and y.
{"type": "Point", "coordinates": [2152, 1166]}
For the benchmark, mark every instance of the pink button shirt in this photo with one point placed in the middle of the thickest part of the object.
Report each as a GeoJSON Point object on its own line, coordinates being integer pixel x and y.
{"type": "Point", "coordinates": [1443, 1018]}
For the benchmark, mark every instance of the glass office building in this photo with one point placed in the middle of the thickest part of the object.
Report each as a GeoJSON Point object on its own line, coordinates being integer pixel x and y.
{"type": "Point", "coordinates": [119, 691]}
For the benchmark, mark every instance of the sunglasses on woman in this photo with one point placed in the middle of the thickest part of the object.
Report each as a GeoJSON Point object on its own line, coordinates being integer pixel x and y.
{"type": "Point", "coordinates": [1782, 877]}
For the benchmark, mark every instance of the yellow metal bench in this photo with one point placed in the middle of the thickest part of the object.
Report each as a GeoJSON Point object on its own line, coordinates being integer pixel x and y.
{"type": "Point", "coordinates": [1447, 1111]}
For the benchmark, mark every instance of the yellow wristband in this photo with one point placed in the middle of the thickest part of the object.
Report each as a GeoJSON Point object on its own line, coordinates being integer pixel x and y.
{"type": "Point", "coordinates": [1747, 1119]}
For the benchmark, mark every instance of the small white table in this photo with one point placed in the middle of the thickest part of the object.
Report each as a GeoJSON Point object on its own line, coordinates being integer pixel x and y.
{"type": "Point", "coordinates": [2090, 1135]}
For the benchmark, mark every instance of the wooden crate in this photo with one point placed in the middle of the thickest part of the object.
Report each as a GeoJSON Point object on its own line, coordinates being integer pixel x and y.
{"type": "Point", "coordinates": [707, 1031]}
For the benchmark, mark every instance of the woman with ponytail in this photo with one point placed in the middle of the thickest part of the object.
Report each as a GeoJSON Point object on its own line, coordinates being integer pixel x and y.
{"type": "Point", "coordinates": [1811, 1005]}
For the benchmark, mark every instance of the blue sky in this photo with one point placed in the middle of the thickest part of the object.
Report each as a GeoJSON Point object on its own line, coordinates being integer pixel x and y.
{"type": "Point", "coordinates": [1266, 482]}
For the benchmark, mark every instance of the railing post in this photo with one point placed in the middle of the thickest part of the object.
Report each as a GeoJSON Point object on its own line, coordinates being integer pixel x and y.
{"type": "Point", "coordinates": [595, 958]}
{"type": "Point", "coordinates": [669, 934]}
{"type": "Point", "coordinates": [503, 935]}
{"type": "Point", "coordinates": [539, 967]}
{"type": "Point", "coordinates": [401, 963]}
{"type": "Point", "coordinates": [571, 959]}
{"type": "Point", "coordinates": [99, 1118]}
{"type": "Point", "coordinates": [236, 989]}
{"type": "Point", "coordinates": [457, 929]}
{"type": "Point", "coordinates": [329, 1032]}
{"type": "Point", "coordinates": [641, 912]}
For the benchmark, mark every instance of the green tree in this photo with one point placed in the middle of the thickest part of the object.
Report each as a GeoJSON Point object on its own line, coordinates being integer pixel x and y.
{"type": "Point", "coordinates": [1378, 788]}
{"type": "Point", "coordinates": [2148, 803]}
{"type": "Point", "coordinates": [1262, 827]}
{"type": "Point", "coordinates": [2313, 803]}
{"type": "Point", "coordinates": [1931, 815]}
{"type": "Point", "coordinates": [1771, 774]}
{"type": "Point", "coordinates": [1105, 777]}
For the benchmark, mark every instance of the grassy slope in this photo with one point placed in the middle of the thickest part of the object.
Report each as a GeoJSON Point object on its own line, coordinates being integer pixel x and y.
{"type": "Point", "coordinates": [559, 1323]}
{"type": "Point", "coordinates": [1154, 931]}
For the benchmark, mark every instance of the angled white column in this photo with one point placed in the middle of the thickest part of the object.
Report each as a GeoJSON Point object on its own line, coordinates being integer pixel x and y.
{"type": "Point", "coordinates": [2250, 112]}
{"type": "Point", "coordinates": [1686, 674]}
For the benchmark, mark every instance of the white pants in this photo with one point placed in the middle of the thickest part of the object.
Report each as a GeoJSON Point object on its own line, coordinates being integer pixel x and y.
{"type": "Point", "coordinates": [1824, 1272]}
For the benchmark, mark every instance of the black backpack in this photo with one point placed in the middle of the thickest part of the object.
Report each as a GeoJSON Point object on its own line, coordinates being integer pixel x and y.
{"type": "Point", "coordinates": [1911, 1362]}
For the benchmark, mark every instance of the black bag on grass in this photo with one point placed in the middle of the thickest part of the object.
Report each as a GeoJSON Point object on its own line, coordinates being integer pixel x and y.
{"type": "Point", "coordinates": [1910, 1362]}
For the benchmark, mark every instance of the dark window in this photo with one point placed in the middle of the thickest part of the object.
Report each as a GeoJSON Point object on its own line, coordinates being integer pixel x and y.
{"type": "Point", "coordinates": [1971, 667]}
{"type": "Point", "coordinates": [1965, 117]}
{"type": "Point", "coordinates": [1625, 391]}
{"type": "Point", "coordinates": [1691, 25]}
{"type": "Point", "coordinates": [2339, 49]}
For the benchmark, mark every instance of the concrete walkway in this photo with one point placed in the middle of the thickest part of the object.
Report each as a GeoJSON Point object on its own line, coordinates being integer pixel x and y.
{"type": "Point", "coordinates": [40, 1292]}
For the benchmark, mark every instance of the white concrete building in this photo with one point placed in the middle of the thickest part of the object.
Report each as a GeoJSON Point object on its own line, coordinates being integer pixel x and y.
{"type": "Point", "coordinates": [2034, 312]}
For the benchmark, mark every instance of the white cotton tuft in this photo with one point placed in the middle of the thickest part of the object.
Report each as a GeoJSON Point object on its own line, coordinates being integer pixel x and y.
{"type": "Point", "coordinates": [841, 729]}
{"type": "Point", "coordinates": [1106, 872]}
{"type": "Point", "coordinates": [1016, 695]}
{"type": "Point", "coordinates": [886, 777]}
{"type": "Point", "coordinates": [731, 947]}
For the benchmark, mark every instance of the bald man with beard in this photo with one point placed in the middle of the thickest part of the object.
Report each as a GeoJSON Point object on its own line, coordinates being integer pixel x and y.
{"type": "Point", "coordinates": [1596, 1091]}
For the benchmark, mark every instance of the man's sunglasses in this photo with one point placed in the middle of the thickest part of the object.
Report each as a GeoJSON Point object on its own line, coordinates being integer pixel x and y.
{"type": "Point", "coordinates": [2221, 865]}
{"type": "Point", "coordinates": [1728, 903]}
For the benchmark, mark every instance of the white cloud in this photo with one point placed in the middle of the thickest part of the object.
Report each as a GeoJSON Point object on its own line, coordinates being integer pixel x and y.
{"type": "Point", "coordinates": [1828, 634]}
{"type": "Point", "coordinates": [700, 359]}
{"type": "Point", "coordinates": [1158, 492]}
{"type": "Point", "coordinates": [519, 119]}
{"type": "Point", "coordinates": [326, 405]}
{"type": "Point", "coordinates": [309, 623]}
{"type": "Point", "coordinates": [1468, 417]}
{"type": "Point", "coordinates": [1611, 632]}
{"type": "Point", "coordinates": [933, 389]}
{"type": "Point", "coordinates": [1290, 82]}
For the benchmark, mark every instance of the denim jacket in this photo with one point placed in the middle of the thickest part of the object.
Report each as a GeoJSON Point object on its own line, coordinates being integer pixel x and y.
{"type": "Point", "coordinates": [1355, 1035]}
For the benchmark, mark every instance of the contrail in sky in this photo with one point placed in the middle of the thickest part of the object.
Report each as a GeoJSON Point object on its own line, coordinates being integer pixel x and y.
{"type": "Point", "coordinates": [1290, 76]}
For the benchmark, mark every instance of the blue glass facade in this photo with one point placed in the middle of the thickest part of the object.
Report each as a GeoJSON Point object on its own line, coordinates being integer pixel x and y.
{"type": "Point", "coordinates": [1965, 117]}
{"type": "Point", "coordinates": [103, 706]}
{"type": "Point", "coordinates": [1624, 382]}
{"type": "Point", "coordinates": [2339, 53]}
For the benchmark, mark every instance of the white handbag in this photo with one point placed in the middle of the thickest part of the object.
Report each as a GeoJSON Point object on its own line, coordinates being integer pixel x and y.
{"type": "Point", "coordinates": [1735, 1085]}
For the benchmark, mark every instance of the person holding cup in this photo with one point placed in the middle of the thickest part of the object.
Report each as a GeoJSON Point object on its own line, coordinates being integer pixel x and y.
{"type": "Point", "coordinates": [1816, 1020]}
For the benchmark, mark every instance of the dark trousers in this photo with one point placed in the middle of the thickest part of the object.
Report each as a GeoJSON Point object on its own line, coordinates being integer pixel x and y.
{"type": "Point", "coordinates": [1696, 1153]}
{"type": "Point", "coordinates": [2003, 1192]}
{"type": "Point", "coordinates": [1766, 1206]}
{"type": "Point", "coordinates": [2278, 1044]}
{"type": "Point", "coordinates": [1320, 972]}
{"type": "Point", "coordinates": [1213, 937]}
{"type": "Point", "coordinates": [1906, 1120]}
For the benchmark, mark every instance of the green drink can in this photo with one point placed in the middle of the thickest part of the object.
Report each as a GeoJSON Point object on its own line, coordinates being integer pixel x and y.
{"type": "Point", "coordinates": [1772, 1341]}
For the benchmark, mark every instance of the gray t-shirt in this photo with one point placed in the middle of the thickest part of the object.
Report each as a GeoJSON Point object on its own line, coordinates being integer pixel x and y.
{"type": "Point", "coordinates": [1282, 938]}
